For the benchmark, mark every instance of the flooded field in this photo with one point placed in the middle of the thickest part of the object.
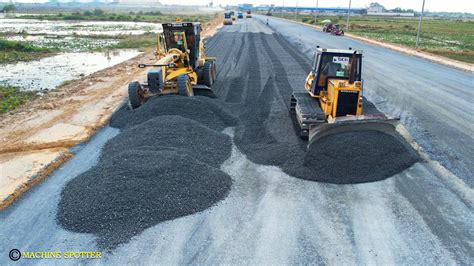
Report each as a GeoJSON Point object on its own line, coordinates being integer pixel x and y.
{"type": "Point", "coordinates": [65, 43]}
{"type": "Point", "coordinates": [81, 28]}
{"type": "Point", "coordinates": [50, 72]}
{"type": "Point", "coordinates": [78, 42]}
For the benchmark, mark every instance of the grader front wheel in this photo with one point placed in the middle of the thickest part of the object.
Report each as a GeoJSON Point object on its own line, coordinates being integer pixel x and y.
{"type": "Point", "coordinates": [135, 94]}
{"type": "Point", "coordinates": [185, 87]}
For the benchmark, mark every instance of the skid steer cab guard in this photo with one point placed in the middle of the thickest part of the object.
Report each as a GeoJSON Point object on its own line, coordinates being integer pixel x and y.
{"type": "Point", "coordinates": [182, 67]}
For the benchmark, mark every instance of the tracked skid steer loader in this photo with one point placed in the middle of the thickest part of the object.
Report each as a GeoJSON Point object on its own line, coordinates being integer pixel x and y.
{"type": "Point", "coordinates": [183, 67]}
{"type": "Point", "coordinates": [333, 101]}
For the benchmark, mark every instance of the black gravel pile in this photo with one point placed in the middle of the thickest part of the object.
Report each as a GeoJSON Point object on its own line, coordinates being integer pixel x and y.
{"type": "Point", "coordinates": [201, 109]}
{"type": "Point", "coordinates": [181, 134]}
{"type": "Point", "coordinates": [164, 168]}
{"type": "Point", "coordinates": [357, 157]}
{"type": "Point", "coordinates": [135, 190]}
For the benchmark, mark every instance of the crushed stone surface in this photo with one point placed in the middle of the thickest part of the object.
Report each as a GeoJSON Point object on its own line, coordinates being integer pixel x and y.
{"type": "Point", "coordinates": [201, 109]}
{"type": "Point", "coordinates": [164, 168]}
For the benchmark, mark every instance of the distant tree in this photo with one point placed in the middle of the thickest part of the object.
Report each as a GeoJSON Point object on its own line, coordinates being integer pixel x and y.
{"type": "Point", "coordinates": [397, 10]}
{"type": "Point", "coordinates": [9, 8]}
{"type": "Point", "coordinates": [98, 12]}
{"type": "Point", "coordinates": [88, 13]}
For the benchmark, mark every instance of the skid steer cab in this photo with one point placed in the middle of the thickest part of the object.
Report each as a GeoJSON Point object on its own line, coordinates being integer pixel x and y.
{"type": "Point", "coordinates": [183, 67]}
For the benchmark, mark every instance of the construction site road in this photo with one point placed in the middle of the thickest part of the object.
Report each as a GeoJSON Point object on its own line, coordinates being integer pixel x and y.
{"type": "Point", "coordinates": [435, 102]}
{"type": "Point", "coordinates": [418, 216]}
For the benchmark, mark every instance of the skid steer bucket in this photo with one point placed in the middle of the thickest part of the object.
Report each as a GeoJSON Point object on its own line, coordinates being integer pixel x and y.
{"type": "Point", "coordinates": [351, 124]}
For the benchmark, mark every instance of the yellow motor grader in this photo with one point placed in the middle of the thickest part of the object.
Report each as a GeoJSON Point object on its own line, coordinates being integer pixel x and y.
{"type": "Point", "coordinates": [333, 101]}
{"type": "Point", "coordinates": [183, 67]}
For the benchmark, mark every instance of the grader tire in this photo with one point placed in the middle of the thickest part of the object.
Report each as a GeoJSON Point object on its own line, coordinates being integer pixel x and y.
{"type": "Point", "coordinates": [207, 75]}
{"type": "Point", "coordinates": [136, 100]}
{"type": "Point", "coordinates": [214, 72]}
{"type": "Point", "coordinates": [185, 88]}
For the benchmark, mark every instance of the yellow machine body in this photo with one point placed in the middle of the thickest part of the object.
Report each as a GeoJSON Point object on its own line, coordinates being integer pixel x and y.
{"type": "Point", "coordinates": [182, 67]}
{"type": "Point", "coordinates": [328, 100]}
{"type": "Point", "coordinates": [333, 99]}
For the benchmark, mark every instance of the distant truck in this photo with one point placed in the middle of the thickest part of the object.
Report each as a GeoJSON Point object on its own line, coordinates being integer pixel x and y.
{"type": "Point", "coordinates": [227, 18]}
{"type": "Point", "coordinates": [249, 14]}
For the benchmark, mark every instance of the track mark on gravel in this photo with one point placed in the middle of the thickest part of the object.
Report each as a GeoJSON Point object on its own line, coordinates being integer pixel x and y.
{"type": "Point", "coordinates": [254, 79]}
{"type": "Point", "coordinates": [302, 61]}
{"type": "Point", "coordinates": [281, 78]}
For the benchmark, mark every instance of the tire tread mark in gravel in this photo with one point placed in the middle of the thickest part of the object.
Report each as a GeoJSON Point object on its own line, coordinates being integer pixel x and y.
{"type": "Point", "coordinates": [254, 119]}
{"type": "Point", "coordinates": [236, 88]}
{"type": "Point", "coordinates": [281, 78]}
{"type": "Point", "coordinates": [254, 78]}
{"type": "Point", "coordinates": [302, 61]}
{"type": "Point", "coordinates": [239, 52]}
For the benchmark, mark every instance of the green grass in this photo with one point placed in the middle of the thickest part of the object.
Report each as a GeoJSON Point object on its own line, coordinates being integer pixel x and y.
{"type": "Point", "coordinates": [446, 37]}
{"type": "Point", "coordinates": [12, 97]}
{"type": "Point", "coordinates": [14, 51]}
{"type": "Point", "coordinates": [136, 41]}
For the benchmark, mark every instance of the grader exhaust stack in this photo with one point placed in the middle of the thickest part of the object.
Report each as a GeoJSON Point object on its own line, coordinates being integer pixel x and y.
{"type": "Point", "coordinates": [333, 102]}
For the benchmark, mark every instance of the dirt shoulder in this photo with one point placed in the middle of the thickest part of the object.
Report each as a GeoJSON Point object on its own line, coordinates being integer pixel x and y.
{"type": "Point", "coordinates": [35, 138]}
{"type": "Point", "coordinates": [432, 57]}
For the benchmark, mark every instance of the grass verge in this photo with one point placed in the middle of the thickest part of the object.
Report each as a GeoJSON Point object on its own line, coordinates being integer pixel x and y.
{"type": "Point", "coordinates": [12, 97]}
{"type": "Point", "coordinates": [14, 51]}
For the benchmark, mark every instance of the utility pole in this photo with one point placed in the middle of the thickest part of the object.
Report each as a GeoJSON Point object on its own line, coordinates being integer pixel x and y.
{"type": "Point", "coordinates": [316, 11]}
{"type": "Point", "coordinates": [348, 14]}
{"type": "Point", "coordinates": [282, 8]}
{"type": "Point", "coordinates": [419, 25]}
{"type": "Point", "coordinates": [296, 10]}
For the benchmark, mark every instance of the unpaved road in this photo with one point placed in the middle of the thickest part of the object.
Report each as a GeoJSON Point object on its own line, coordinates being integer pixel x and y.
{"type": "Point", "coordinates": [269, 216]}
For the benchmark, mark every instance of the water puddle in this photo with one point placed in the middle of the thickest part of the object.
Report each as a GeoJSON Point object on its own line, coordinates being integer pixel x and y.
{"type": "Point", "coordinates": [50, 72]}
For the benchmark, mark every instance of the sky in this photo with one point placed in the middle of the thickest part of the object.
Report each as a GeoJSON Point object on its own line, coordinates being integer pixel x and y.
{"type": "Point", "coordinates": [431, 5]}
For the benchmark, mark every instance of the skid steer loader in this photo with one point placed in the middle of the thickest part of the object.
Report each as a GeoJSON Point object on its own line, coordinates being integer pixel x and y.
{"type": "Point", "coordinates": [333, 102]}
{"type": "Point", "coordinates": [182, 68]}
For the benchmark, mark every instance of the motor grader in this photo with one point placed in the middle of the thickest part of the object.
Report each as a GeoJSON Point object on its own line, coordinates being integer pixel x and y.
{"type": "Point", "coordinates": [183, 67]}
{"type": "Point", "coordinates": [333, 101]}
